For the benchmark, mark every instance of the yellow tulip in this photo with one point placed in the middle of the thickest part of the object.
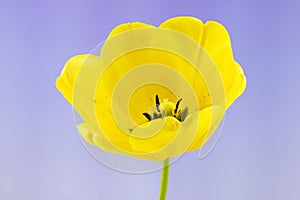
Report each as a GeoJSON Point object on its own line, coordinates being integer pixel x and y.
{"type": "Point", "coordinates": [154, 92]}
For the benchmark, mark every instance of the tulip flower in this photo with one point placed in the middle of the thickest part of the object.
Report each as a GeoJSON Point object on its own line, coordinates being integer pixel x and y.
{"type": "Point", "coordinates": [154, 93]}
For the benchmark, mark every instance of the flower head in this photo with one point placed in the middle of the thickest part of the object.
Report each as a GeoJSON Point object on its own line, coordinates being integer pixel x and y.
{"type": "Point", "coordinates": [154, 93]}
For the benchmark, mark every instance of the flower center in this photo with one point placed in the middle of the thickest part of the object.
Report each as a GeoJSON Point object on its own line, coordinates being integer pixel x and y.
{"type": "Point", "coordinates": [167, 108]}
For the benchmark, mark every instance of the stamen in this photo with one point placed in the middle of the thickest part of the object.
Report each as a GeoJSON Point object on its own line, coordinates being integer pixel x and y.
{"type": "Point", "coordinates": [166, 110]}
{"type": "Point", "coordinates": [147, 116]}
{"type": "Point", "coordinates": [177, 105]}
{"type": "Point", "coordinates": [157, 103]}
{"type": "Point", "coordinates": [183, 114]}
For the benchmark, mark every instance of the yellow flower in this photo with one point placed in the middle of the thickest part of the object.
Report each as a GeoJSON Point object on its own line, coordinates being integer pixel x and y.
{"type": "Point", "coordinates": [154, 93]}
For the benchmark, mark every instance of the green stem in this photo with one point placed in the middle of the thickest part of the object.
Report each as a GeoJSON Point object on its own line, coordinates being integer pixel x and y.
{"type": "Point", "coordinates": [164, 179]}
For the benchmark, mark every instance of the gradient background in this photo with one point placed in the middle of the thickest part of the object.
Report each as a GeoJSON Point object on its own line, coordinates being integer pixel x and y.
{"type": "Point", "coordinates": [256, 158]}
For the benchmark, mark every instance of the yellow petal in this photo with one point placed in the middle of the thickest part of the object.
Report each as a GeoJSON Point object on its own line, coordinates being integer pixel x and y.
{"type": "Point", "coordinates": [66, 81]}
{"type": "Point", "coordinates": [127, 27]}
{"type": "Point", "coordinates": [189, 26]}
{"type": "Point", "coordinates": [77, 83]}
{"type": "Point", "coordinates": [213, 37]}
{"type": "Point", "coordinates": [209, 121]}
{"type": "Point", "coordinates": [238, 85]}
{"type": "Point", "coordinates": [165, 138]}
{"type": "Point", "coordinates": [155, 135]}
{"type": "Point", "coordinates": [216, 41]}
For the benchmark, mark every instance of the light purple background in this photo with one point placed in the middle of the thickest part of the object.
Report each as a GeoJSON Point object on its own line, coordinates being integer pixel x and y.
{"type": "Point", "coordinates": [257, 157]}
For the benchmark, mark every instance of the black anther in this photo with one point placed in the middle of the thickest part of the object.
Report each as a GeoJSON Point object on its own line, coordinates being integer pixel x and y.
{"type": "Point", "coordinates": [157, 102]}
{"type": "Point", "coordinates": [147, 116]}
{"type": "Point", "coordinates": [177, 105]}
